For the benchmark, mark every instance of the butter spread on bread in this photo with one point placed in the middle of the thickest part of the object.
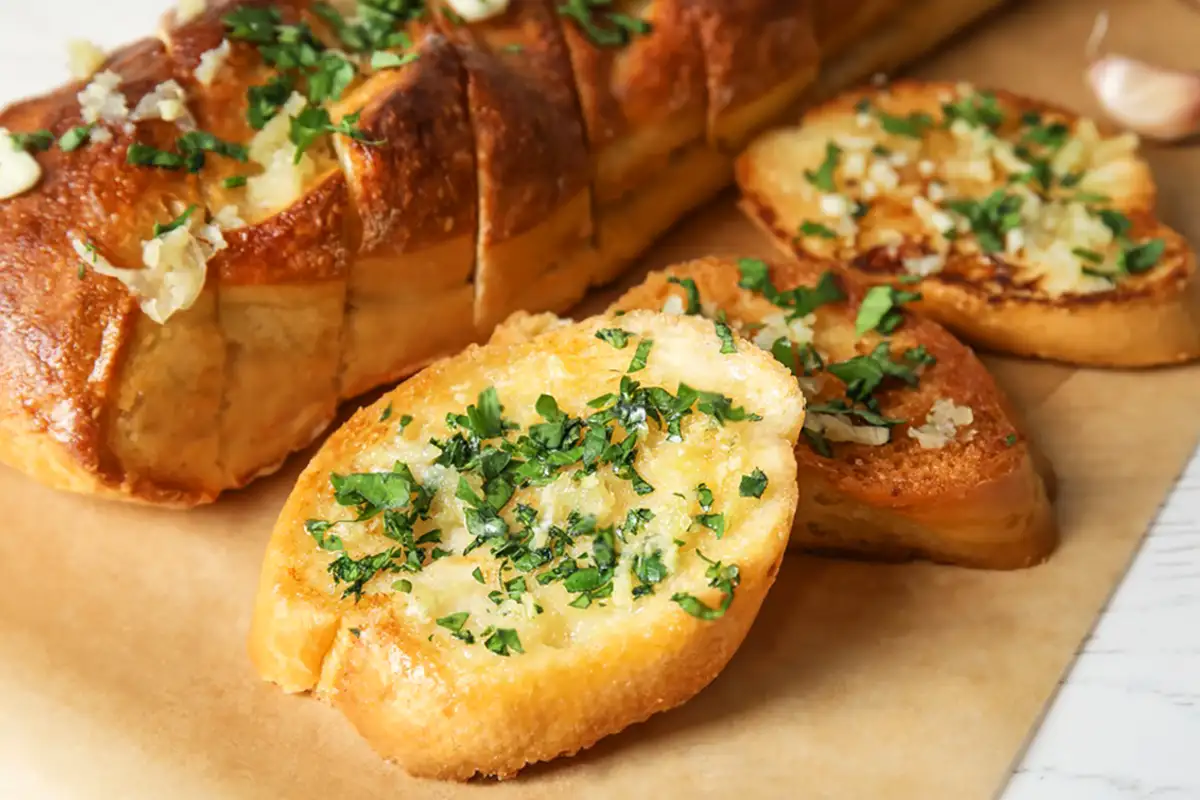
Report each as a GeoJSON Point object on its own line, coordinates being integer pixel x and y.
{"type": "Point", "coordinates": [1031, 230]}
{"type": "Point", "coordinates": [909, 449]}
{"type": "Point", "coordinates": [528, 547]}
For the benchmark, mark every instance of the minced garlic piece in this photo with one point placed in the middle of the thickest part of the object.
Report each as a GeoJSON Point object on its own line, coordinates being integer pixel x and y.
{"type": "Point", "coordinates": [188, 10]}
{"type": "Point", "coordinates": [175, 267]}
{"type": "Point", "coordinates": [167, 102]}
{"type": "Point", "coordinates": [836, 429]}
{"type": "Point", "coordinates": [19, 171]}
{"type": "Point", "coordinates": [100, 100]}
{"type": "Point", "coordinates": [211, 62]}
{"type": "Point", "coordinates": [942, 424]}
{"type": "Point", "coordinates": [283, 178]}
{"type": "Point", "coordinates": [83, 58]}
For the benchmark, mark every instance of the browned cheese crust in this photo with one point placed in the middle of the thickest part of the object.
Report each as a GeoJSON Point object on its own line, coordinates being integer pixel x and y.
{"type": "Point", "coordinates": [978, 500]}
{"type": "Point", "coordinates": [513, 164]}
{"type": "Point", "coordinates": [1053, 286]}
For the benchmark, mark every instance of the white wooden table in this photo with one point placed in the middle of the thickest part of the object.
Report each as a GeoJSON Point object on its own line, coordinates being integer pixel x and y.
{"type": "Point", "coordinates": [1127, 722]}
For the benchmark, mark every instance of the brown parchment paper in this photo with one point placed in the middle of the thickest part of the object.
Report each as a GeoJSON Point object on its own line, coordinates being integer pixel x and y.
{"type": "Point", "coordinates": [122, 662]}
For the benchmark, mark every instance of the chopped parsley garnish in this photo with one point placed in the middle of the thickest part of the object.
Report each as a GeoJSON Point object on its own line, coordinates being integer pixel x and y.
{"type": "Point", "coordinates": [991, 218]}
{"type": "Point", "coordinates": [402, 585]}
{"type": "Point", "coordinates": [691, 291]}
{"type": "Point", "coordinates": [75, 138]}
{"type": "Point", "coordinates": [714, 522]}
{"type": "Point", "coordinates": [1115, 221]}
{"type": "Point", "coordinates": [1141, 258]}
{"type": "Point", "coordinates": [979, 110]}
{"type": "Point", "coordinates": [503, 642]}
{"type": "Point", "coordinates": [1051, 136]}
{"type": "Point", "coordinates": [649, 569]}
{"type": "Point", "coordinates": [454, 623]}
{"type": "Point", "coordinates": [754, 484]}
{"type": "Point", "coordinates": [405, 421]}
{"type": "Point", "coordinates": [728, 346]}
{"type": "Point", "coordinates": [641, 355]}
{"type": "Point", "coordinates": [721, 577]}
{"type": "Point", "coordinates": [919, 356]}
{"type": "Point", "coordinates": [704, 496]}
{"type": "Point", "coordinates": [823, 177]}
{"type": "Point", "coordinates": [318, 530]}
{"type": "Point", "coordinates": [839, 408]}
{"type": "Point", "coordinates": [34, 142]}
{"type": "Point", "coordinates": [314, 122]}
{"type": "Point", "coordinates": [178, 222]}
{"type": "Point", "coordinates": [234, 182]}
{"type": "Point", "coordinates": [357, 572]}
{"type": "Point", "coordinates": [810, 228]}
{"type": "Point", "coordinates": [604, 28]}
{"type": "Point", "coordinates": [386, 60]}
{"type": "Point", "coordinates": [864, 374]}
{"type": "Point", "coordinates": [1010, 440]}
{"type": "Point", "coordinates": [1090, 256]}
{"type": "Point", "coordinates": [880, 309]}
{"type": "Point", "coordinates": [800, 301]}
{"type": "Point", "coordinates": [617, 337]}
{"type": "Point", "coordinates": [914, 125]}
{"type": "Point", "coordinates": [386, 414]}
{"type": "Point", "coordinates": [264, 102]}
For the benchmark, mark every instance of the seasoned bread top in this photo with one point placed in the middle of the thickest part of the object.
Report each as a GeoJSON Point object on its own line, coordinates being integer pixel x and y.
{"type": "Point", "coordinates": [999, 194]}
{"type": "Point", "coordinates": [950, 427]}
{"type": "Point", "coordinates": [537, 497]}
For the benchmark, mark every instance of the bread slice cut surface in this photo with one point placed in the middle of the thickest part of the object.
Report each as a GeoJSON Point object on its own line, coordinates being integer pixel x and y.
{"type": "Point", "coordinates": [526, 548]}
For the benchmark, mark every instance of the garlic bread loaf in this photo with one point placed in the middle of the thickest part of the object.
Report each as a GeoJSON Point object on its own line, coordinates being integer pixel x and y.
{"type": "Point", "coordinates": [909, 449]}
{"type": "Point", "coordinates": [1029, 230]}
{"type": "Point", "coordinates": [528, 547]}
{"type": "Point", "coordinates": [269, 207]}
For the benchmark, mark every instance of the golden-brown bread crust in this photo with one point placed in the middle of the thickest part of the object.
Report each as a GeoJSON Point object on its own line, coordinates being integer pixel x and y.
{"type": "Point", "coordinates": [640, 102]}
{"type": "Point", "coordinates": [759, 56]}
{"type": "Point", "coordinates": [86, 375]}
{"type": "Point", "coordinates": [978, 501]}
{"type": "Point", "coordinates": [415, 203]}
{"type": "Point", "coordinates": [445, 711]}
{"type": "Point", "coordinates": [1142, 319]}
{"type": "Point", "coordinates": [530, 151]}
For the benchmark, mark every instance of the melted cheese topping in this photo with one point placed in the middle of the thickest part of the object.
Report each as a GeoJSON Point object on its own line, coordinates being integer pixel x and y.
{"type": "Point", "coordinates": [19, 171]}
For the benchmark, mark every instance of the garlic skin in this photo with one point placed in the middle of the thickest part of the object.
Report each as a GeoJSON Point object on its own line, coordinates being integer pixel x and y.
{"type": "Point", "coordinates": [1157, 103]}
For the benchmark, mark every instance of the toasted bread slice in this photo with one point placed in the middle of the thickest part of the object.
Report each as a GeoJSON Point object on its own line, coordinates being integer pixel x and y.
{"type": "Point", "coordinates": [531, 624]}
{"type": "Point", "coordinates": [972, 494]}
{"type": "Point", "coordinates": [1035, 233]}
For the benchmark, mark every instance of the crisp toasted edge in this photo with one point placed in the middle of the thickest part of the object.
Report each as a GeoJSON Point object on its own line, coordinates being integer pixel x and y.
{"type": "Point", "coordinates": [302, 641]}
{"type": "Point", "coordinates": [999, 518]}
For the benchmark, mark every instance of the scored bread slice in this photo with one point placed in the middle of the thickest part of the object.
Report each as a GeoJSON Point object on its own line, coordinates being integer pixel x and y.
{"type": "Point", "coordinates": [1033, 232]}
{"type": "Point", "coordinates": [954, 481]}
{"type": "Point", "coordinates": [473, 629]}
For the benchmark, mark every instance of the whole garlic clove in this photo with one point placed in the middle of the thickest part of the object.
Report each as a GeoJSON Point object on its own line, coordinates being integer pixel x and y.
{"type": "Point", "coordinates": [1155, 102]}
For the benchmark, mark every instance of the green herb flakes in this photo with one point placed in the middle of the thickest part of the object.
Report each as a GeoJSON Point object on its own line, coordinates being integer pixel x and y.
{"type": "Point", "coordinates": [617, 337]}
{"type": "Point", "coordinates": [754, 484]}
{"type": "Point", "coordinates": [823, 177]}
